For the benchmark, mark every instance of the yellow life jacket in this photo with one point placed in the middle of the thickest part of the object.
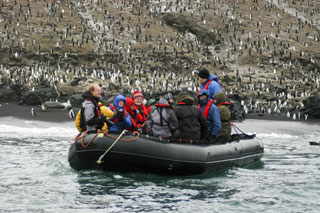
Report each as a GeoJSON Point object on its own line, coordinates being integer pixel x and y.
{"type": "Point", "coordinates": [104, 110]}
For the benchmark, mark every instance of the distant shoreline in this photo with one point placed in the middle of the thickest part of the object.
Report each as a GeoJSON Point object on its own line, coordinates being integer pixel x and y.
{"type": "Point", "coordinates": [271, 117]}
{"type": "Point", "coordinates": [60, 115]}
{"type": "Point", "coordinates": [24, 112]}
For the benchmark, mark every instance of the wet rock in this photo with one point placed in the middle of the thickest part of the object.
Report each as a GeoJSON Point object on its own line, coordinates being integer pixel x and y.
{"type": "Point", "coordinates": [9, 93]}
{"type": "Point", "coordinates": [53, 104]}
{"type": "Point", "coordinates": [75, 81]}
{"type": "Point", "coordinates": [237, 112]}
{"type": "Point", "coordinates": [185, 23]}
{"type": "Point", "coordinates": [312, 106]}
{"type": "Point", "coordinates": [236, 109]}
{"type": "Point", "coordinates": [76, 100]}
{"type": "Point", "coordinates": [30, 98]}
{"type": "Point", "coordinates": [37, 95]}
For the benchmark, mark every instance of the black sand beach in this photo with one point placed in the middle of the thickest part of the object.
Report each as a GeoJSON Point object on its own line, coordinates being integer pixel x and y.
{"type": "Point", "coordinates": [24, 112]}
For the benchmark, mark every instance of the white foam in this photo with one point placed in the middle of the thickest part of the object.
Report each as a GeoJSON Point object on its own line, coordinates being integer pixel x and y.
{"type": "Point", "coordinates": [37, 131]}
{"type": "Point", "coordinates": [276, 135]}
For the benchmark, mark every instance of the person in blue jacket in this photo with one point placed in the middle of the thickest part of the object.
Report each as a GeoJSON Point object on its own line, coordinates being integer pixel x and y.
{"type": "Point", "coordinates": [122, 119]}
{"type": "Point", "coordinates": [211, 112]}
{"type": "Point", "coordinates": [209, 82]}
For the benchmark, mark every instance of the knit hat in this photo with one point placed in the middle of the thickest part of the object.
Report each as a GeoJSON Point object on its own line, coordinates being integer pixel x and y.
{"type": "Point", "coordinates": [220, 97]}
{"type": "Point", "coordinates": [184, 96]}
{"type": "Point", "coordinates": [168, 96]}
{"type": "Point", "coordinates": [204, 74]}
{"type": "Point", "coordinates": [137, 94]}
{"type": "Point", "coordinates": [151, 102]}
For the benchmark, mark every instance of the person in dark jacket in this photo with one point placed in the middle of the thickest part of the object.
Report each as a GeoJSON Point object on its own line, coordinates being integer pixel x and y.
{"type": "Point", "coordinates": [210, 112]}
{"type": "Point", "coordinates": [192, 125]}
{"type": "Point", "coordinates": [93, 119]}
{"type": "Point", "coordinates": [225, 115]}
{"type": "Point", "coordinates": [122, 119]}
{"type": "Point", "coordinates": [162, 121]}
{"type": "Point", "coordinates": [209, 82]}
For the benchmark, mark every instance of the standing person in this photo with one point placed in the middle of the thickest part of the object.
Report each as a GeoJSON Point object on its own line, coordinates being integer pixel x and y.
{"type": "Point", "coordinates": [209, 82]}
{"type": "Point", "coordinates": [192, 125]}
{"type": "Point", "coordinates": [122, 120]}
{"type": "Point", "coordinates": [211, 113]}
{"type": "Point", "coordinates": [91, 114]}
{"type": "Point", "coordinates": [225, 115]}
{"type": "Point", "coordinates": [162, 121]}
{"type": "Point", "coordinates": [137, 111]}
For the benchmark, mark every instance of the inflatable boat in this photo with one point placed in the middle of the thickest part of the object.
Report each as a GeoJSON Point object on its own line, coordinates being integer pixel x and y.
{"type": "Point", "coordinates": [142, 153]}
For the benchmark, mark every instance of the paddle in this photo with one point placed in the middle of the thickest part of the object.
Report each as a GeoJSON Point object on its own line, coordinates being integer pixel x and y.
{"type": "Point", "coordinates": [99, 161]}
{"type": "Point", "coordinates": [314, 143]}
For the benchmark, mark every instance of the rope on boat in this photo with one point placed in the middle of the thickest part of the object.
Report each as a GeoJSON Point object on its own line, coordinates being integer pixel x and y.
{"type": "Point", "coordinates": [237, 128]}
{"type": "Point", "coordinates": [99, 161]}
{"type": "Point", "coordinates": [81, 135]}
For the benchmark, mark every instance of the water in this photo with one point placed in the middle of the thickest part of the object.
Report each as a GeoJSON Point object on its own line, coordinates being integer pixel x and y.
{"type": "Point", "coordinates": [36, 177]}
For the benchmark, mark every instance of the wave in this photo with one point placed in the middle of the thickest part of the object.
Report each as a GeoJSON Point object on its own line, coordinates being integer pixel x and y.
{"type": "Point", "coordinates": [276, 135]}
{"type": "Point", "coordinates": [55, 130]}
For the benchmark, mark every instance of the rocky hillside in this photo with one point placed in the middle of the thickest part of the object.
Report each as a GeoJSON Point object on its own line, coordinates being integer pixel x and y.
{"type": "Point", "coordinates": [266, 52]}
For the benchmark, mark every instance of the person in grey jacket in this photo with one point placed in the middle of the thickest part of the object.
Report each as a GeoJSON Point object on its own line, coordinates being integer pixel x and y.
{"type": "Point", "coordinates": [91, 114]}
{"type": "Point", "coordinates": [162, 121]}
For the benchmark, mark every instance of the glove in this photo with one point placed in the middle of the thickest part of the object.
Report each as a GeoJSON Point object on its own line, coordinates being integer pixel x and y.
{"type": "Point", "coordinates": [103, 118]}
{"type": "Point", "coordinates": [115, 113]}
{"type": "Point", "coordinates": [109, 123]}
{"type": "Point", "coordinates": [120, 115]}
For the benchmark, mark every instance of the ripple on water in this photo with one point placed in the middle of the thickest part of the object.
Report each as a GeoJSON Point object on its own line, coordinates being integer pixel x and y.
{"type": "Point", "coordinates": [36, 177]}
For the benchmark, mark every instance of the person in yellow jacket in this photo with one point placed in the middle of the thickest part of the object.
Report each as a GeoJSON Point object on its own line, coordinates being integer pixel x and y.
{"type": "Point", "coordinates": [103, 109]}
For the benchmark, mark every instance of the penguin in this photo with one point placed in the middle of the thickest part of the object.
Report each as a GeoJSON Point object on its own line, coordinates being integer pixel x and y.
{"type": "Point", "coordinates": [71, 114]}
{"type": "Point", "coordinates": [33, 112]}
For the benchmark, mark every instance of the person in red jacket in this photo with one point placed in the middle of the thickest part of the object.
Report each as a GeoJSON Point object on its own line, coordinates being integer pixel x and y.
{"type": "Point", "coordinates": [137, 111]}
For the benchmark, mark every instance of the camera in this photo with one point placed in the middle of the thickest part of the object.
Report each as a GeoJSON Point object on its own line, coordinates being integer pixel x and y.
{"type": "Point", "coordinates": [120, 114]}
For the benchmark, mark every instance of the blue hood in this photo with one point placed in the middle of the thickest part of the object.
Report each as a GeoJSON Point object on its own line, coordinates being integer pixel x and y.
{"type": "Point", "coordinates": [117, 99]}
{"type": "Point", "coordinates": [214, 77]}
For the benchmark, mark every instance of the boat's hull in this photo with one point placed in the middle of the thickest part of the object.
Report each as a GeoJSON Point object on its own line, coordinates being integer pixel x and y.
{"type": "Point", "coordinates": [148, 154]}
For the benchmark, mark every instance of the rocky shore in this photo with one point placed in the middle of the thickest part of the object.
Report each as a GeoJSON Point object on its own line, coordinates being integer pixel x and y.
{"type": "Point", "coordinates": [54, 115]}
{"type": "Point", "coordinates": [266, 53]}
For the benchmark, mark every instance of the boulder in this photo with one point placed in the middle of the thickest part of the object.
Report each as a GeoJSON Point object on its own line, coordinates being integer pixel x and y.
{"type": "Point", "coordinates": [7, 94]}
{"type": "Point", "coordinates": [312, 106]}
{"type": "Point", "coordinates": [38, 95]}
{"type": "Point", "coordinates": [185, 23]}
{"type": "Point", "coordinates": [237, 112]}
{"type": "Point", "coordinates": [53, 104]}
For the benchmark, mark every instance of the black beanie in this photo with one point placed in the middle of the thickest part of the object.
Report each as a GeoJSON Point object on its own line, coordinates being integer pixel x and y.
{"type": "Point", "coordinates": [204, 74]}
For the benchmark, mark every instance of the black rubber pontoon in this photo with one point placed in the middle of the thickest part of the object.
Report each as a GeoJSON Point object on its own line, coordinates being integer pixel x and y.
{"type": "Point", "coordinates": [151, 155]}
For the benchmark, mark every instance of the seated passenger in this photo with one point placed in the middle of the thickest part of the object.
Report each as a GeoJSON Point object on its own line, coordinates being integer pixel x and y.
{"type": "Point", "coordinates": [104, 110]}
{"type": "Point", "coordinates": [121, 119]}
{"type": "Point", "coordinates": [137, 111]}
{"type": "Point", "coordinates": [211, 113]}
{"type": "Point", "coordinates": [150, 105]}
{"type": "Point", "coordinates": [192, 125]}
{"type": "Point", "coordinates": [91, 118]}
{"type": "Point", "coordinates": [225, 115]}
{"type": "Point", "coordinates": [162, 121]}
